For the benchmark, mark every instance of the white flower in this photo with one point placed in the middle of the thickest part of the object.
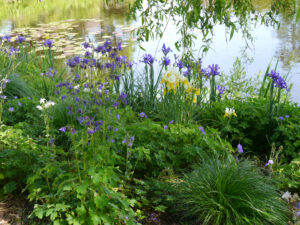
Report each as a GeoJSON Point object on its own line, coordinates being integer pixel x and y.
{"type": "Point", "coordinates": [76, 87]}
{"type": "Point", "coordinates": [86, 90]}
{"type": "Point", "coordinates": [287, 195]}
{"type": "Point", "coordinates": [229, 112]}
{"type": "Point", "coordinates": [48, 104]}
{"type": "Point", "coordinates": [42, 100]}
{"type": "Point", "coordinates": [40, 107]}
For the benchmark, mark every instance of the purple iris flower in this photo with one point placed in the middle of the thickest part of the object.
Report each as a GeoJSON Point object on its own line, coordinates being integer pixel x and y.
{"type": "Point", "coordinates": [48, 43]}
{"type": "Point", "coordinates": [180, 64]}
{"type": "Point", "coordinates": [51, 72]}
{"type": "Point", "coordinates": [148, 59]}
{"type": "Point", "coordinates": [166, 50]}
{"type": "Point", "coordinates": [172, 121]}
{"type": "Point", "coordinates": [278, 81]}
{"type": "Point", "coordinates": [221, 90]}
{"type": "Point", "coordinates": [280, 118]}
{"type": "Point", "coordinates": [129, 64]}
{"type": "Point", "coordinates": [21, 39]}
{"type": "Point", "coordinates": [165, 61]}
{"type": "Point", "coordinates": [214, 69]}
{"type": "Point", "coordinates": [119, 46]}
{"type": "Point", "coordinates": [188, 71]}
{"type": "Point", "coordinates": [73, 131]}
{"type": "Point", "coordinates": [85, 45]}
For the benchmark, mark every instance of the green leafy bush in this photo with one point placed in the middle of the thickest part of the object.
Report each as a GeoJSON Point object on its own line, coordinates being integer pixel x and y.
{"type": "Point", "coordinates": [229, 192]}
{"type": "Point", "coordinates": [19, 157]}
{"type": "Point", "coordinates": [288, 175]}
{"type": "Point", "coordinates": [157, 148]}
{"type": "Point", "coordinates": [252, 126]}
{"type": "Point", "coordinates": [64, 198]}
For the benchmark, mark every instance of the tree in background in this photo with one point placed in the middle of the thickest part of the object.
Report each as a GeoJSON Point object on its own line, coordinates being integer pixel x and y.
{"type": "Point", "coordinates": [191, 16]}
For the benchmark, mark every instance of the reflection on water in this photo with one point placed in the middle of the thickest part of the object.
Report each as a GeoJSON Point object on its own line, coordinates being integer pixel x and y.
{"type": "Point", "coordinates": [73, 21]}
{"type": "Point", "coordinates": [68, 23]}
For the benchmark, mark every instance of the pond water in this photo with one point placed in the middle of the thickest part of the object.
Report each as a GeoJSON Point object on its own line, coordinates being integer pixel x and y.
{"type": "Point", "coordinates": [73, 22]}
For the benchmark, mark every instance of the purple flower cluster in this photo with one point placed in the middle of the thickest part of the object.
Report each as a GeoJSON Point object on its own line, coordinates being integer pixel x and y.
{"type": "Point", "coordinates": [48, 43]}
{"type": "Point", "coordinates": [6, 38]}
{"type": "Point", "coordinates": [148, 59]}
{"type": "Point", "coordinates": [166, 50]}
{"type": "Point", "coordinates": [51, 72]}
{"type": "Point", "coordinates": [21, 39]}
{"type": "Point", "coordinates": [180, 64]}
{"type": "Point", "coordinates": [165, 61]}
{"type": "Point", "coordinates": [278, 81]}
{"type": "Point", "coordinates": [221, 90]}
{"type": "Point", "coordinates": [240, 148]}
{"type": "Point", "coordinates": [214, 69]}
{"type": "Point", "coordinates": [143, 115]}
{"type": "Point", "coordinates": [202, 130]}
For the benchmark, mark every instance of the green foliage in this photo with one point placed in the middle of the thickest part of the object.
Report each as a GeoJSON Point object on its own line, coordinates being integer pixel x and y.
{"type": "Point", "coordinates": [95, 198]}
{"type": "Point", "coordinates": [288, 175]}
{"type": "Point", "coordinates": [157, 150]}
{"type": "Point", "coordinates": [18, 87]}
{"type": "Point", "coordinates": [202, 17]}
{"type": "Point", "coordinates": [238, 85]}
{"type": "Point", "coordinates": [24, 110]}
{"type": "Point", "coordinates": [252, 126]}
{"type": "Point", "coordinates": [229, 192]}
{"type": "Point", "coordinates": [19, 157]}
{"type": "Point", "coordinates": [287, 133]}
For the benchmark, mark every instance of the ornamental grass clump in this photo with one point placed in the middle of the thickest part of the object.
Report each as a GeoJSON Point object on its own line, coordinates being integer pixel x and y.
{"type": "Point", "coordinates": [229, 192]}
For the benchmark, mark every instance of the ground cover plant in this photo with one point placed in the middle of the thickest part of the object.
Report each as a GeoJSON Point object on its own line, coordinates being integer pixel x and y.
{"type": "Point", "coordinates": [92, 142]}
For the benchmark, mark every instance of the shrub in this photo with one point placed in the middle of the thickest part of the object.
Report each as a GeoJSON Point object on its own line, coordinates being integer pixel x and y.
{"type": "Point", "coordinates": [19, 157]}
{"type": "Point", "coordinates": [288, 176]}
{"type": "Point", "coordinates": [252, 126]}
{"type": "Point", "coordinates": [158, 148]}
{"type": "Point", "coordinates": [229, 192]}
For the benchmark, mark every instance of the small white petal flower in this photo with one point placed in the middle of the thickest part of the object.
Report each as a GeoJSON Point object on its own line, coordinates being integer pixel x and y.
{"type": "Point", "coordinates": [48, 104]}
{"type": "Point", "coordinates": [287, 195]}
{"type": "Point", "coordinates": [42, 100]}
{"type": "Point", "coordinates": [40, 107]}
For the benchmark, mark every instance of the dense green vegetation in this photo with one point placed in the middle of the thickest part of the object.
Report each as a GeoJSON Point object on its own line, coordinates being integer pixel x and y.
{"type": "Point", "coordinates": [90, 140]}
